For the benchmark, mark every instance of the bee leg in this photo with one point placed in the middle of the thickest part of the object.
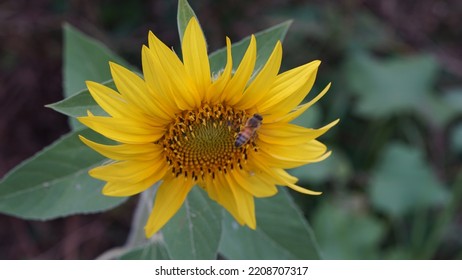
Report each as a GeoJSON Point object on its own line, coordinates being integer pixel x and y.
{"type": "Point", "coordinates": [252, 141]}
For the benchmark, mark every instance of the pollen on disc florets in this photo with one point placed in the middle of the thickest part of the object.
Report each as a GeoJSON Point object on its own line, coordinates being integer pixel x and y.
{"type": "Point", "coordinates": [202, 142]}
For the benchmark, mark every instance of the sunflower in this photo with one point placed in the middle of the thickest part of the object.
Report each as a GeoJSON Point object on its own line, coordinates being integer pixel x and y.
{"type": "Point", "coordinates": [180, 124]}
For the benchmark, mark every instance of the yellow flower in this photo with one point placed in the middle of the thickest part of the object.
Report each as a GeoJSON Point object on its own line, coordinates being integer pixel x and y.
{"type": "Point", "coordinates": [180, 125]}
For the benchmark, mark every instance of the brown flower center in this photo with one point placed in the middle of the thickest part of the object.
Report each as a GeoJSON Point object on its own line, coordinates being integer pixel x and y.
{"type": "Point", "coordinates": [202, 141]}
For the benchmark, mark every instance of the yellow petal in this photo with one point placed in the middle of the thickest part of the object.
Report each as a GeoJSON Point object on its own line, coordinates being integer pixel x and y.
{"type": "Point", "coordinates": [129, 172]}
{"type": "Point", "coordinates": [300, 109]}
{"type": "Point", "coordinates": [149, 151]}
{"type": "Point", "coordinates": [245, 204]}
{"type": "Point", "coordinates": [280, 176]}
{"type": "Point", "coordinates": [286, 163]}
{"type": "Point", "coordinates": [290, 134]}
{"type": "Point", "coordinates": [195, 57]}
{"type": "Point", "coordinates": [289, 89]}
{"type": "Point", "coordinates": [172, 78]}
{"type": "Point", "coordinates": [122, 188]}
{"type": "Point", "coordinates": [216, 89]}
{"type": "Point", "coordinates": [289, 179]}
{"type": "Point", "coordinates": [264, 169]}
{"type": "Point", "coordinates": [225, 197]}
{"type": "Point", "coordinates": [134, 89]}
{"type": "Point", "coordinates": [123, 130]}
{"type": "Point", "coordinates": [235, 87]}
{"type": "Point", "coordinates": [260, 86]}
{"type": "Point", "coordinates": [156, 81]}
{"type": "Point", "coordinates": [252, 183]}
{"type": "Point", "coordinates": [210, 187]}
{"type": "Point", "coordinates": [169, 198]}
{"type": "Point", "coordinates": [304, 152]}
{"type": "Point", "coordinates": [302, 190]}
{"type": "Point", "coordinates": [112, 102]}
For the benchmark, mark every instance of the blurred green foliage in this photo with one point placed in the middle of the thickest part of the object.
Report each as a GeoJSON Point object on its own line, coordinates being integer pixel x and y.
{"type": "Point", "coordinates": [392, 186]}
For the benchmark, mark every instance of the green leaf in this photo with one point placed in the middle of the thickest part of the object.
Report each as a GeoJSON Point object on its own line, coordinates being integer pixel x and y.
{"type": "Point", "coordinates": [149, 251]}
{"type": "Point", "coordinates": [456, 139]}
{"type": "Point", "coordinates": [440, 110]}
{"type": "Point", "coordinates": [54, 183]}
{"type": "Point", "coordinates": [194, 232]}
{"type": "Point", "coordinates": [434, 110]}
{"type": "Point", "coordinates": [84, 59]}
{"type": "Point", "coordinates": [345, 234]}
{"type": "Point", "coordinates": [282, 232]}
{"type": "Point", "coordinates": [403, 182]}
{"type": "Point", "coordinates": [185, 13]}
{"type": "Point", "coordinates": [78, 104]}
{"type": "Point", "coordinates": [153, 250]}
{"type": "Point", "coordinates": [266, 41]}
{"type": "Point", "coordinates": [386, 87]}
{"type": "Point", "coordinates": [453, 98]}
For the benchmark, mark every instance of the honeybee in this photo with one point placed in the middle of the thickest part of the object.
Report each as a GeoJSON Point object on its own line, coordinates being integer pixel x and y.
{"type": "Point", "coordinates": [249, 130]}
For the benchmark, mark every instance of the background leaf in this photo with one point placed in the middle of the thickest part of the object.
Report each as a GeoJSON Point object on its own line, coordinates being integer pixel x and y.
{"type": "Point", "coordinates": [54, 183]}
{"type": "Point", "coordinates": [440, 110]}
{"type": "Point", "coordinates": [282, 232]}
{"type": "Point", "coordinates": [185, 13]}
{"type": "Point", "coordinates": [77, 105]}
{"type": "Point", "coordinates": [403, 182]}
{"type": "Point", "coordinates": [346, 234]}
{"type": "Point", "coordinates": [194, 232]}
{"type": "Point", "coordinates": [84, 59]}
{"type": "Point", "coordinates": [403, 82]}
{"type": "Point", "coordinates": [266, 41]}
{"type": "Point", "coordinates": [149, 251]}
{"type": "Point", "coordinates": [456, 139]}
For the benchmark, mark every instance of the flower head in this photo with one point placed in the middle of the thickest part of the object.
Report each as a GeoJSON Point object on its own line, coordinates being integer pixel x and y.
{"type": "Point", "coordinates": [228, 132]}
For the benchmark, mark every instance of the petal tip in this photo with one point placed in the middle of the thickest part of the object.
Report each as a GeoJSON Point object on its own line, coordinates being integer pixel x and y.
{"type": "Point", "coordinates": [91, 84]}
{"type": "Point", "coordinates": [316, 62]}
{"type": "Point", "coordinates": [151, 39]}
{"type": "Point", "coordinates": [115, 67]}
{"type": "Point", "coordinates": [149, 231]}
{"type": "Point", "coordinates": [112, 64]}
{"type": "Point", "coordinates": [193, 21]}
{"type": "Point", "coordinates": [252, 226]}
{"type": "Point", "coordinates": [83, 139]}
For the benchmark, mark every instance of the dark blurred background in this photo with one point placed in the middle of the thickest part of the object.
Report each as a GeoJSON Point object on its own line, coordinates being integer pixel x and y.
{"type": "Point", "coordinates": [353, 39]}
